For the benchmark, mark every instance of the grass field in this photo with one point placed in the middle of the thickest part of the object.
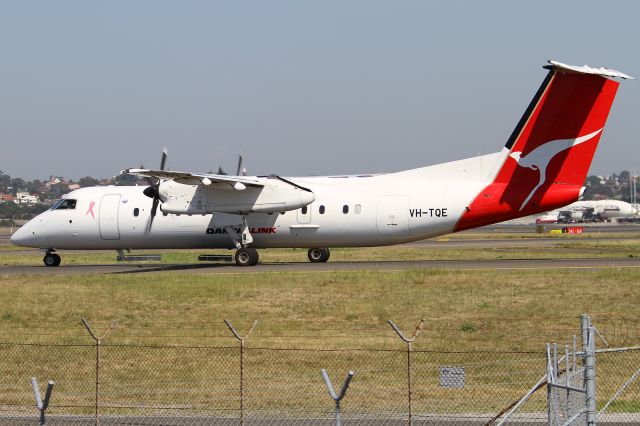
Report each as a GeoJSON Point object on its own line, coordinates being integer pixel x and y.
{"type": "Point", "coordinates": [173, 320]}
{"type": "Point", "coordinates": [505, 309]}
{"type": "Point", "coordinates": [516, 310]}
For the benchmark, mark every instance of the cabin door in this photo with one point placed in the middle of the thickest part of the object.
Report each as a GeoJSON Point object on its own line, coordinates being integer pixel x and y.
{"type": "Point", "coordinates": [109, 217]}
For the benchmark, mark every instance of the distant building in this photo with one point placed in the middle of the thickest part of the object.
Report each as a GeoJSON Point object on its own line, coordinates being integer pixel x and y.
{"type": "Point", "coordinates": [25, 198]}
{"type": "Point", "coordinates": [6, 197]}
{"type": "Point", "coordinates": [54, 180]}
{"type": "Point", "coordinates": [74, 186]}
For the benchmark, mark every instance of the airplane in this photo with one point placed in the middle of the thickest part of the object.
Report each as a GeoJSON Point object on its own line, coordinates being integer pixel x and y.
{"type": "Point", "coordinates": [542, 166]}
{"type": "Point", "coordinates": [589, 210]}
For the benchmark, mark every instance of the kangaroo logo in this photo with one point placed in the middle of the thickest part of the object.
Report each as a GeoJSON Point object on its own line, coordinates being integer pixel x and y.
{"type": "Point", "coordinates": [539, 158]}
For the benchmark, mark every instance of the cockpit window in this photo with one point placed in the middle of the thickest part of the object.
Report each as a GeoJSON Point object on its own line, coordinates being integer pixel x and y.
{"type": "Point", "coordinates": [64, 204]}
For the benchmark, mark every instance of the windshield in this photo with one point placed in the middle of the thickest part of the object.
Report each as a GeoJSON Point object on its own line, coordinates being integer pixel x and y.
{"type": "Point", "coordinates": [64, 204]}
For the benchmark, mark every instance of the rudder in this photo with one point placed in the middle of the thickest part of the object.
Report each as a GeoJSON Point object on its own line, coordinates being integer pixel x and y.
{"type": "Point", "coordinates": [551, 148]}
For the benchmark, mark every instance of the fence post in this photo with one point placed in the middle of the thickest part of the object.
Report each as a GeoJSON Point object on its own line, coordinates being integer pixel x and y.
{"type": "Point", "coordinates": [585, 323]}
{"type": "Point", "coordinates": [408, 341]}
{"type": "Point", "coordinates": [98, 340]}
{"type": "Point", "coordinates": [552, 379]}
{"type": "Point", "coordinates": [42, 405]}
{"type": "Point", "coordinates": [590, 377]}
{"type": "Point", "coordinates": [332, 392]}
{"type": "Point", "coordinates": [241, 339]}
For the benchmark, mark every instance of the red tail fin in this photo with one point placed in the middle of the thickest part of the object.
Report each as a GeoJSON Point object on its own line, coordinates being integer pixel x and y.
{"type": "Point", "coordinates": [551, 148]}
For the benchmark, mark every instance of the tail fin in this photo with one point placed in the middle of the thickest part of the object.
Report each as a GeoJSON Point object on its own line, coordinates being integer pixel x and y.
{"type": "Point", "coordinates": [551, 148]}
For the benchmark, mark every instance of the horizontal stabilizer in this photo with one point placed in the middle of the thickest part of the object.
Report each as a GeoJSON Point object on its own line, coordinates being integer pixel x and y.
{"type": "Point", "coordinates": [586, 69]}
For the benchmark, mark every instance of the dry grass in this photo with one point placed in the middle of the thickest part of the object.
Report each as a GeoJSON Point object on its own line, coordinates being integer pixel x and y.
{"type": "Point", "coordinates": [464, 309]}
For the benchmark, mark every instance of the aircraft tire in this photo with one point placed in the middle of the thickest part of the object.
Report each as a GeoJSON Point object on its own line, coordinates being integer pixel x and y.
{"type": "Point", "coordinates": [247, 256]}
{"type": "Point", "coordinates": [52, 259]}
{"type": "Point", "coordinates": [317, 255]}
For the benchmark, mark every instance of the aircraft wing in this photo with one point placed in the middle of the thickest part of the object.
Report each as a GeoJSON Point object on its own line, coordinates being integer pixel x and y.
{"type": "Point", "coordinates": [238, 182]}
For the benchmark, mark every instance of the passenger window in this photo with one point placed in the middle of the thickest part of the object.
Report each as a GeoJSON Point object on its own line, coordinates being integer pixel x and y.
{"type": "Point", "coordinates": [345, 209]}
{"type": "Point", "coordinates": [64, 204]}
{"type": "Point", "coordinates": [304, 210]}
{"type": "Point", "coordinates": [136, 212]}
{"type": "Point", "coordinates": [321, 209]}
{"type": "Point", "coordinates": [357, 209]}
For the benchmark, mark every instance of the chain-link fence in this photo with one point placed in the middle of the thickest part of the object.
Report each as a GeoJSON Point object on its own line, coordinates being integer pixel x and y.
{"type": "Point", "coordinates": [185, 385]}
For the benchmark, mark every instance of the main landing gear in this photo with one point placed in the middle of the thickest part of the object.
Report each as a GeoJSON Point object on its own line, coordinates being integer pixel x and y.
{"type": "Point", "coordinates": [51, 258]}
{"type": "Point", "coordinates": [247, 256]}
{"type": "Point", "coordinates": [317, 255]}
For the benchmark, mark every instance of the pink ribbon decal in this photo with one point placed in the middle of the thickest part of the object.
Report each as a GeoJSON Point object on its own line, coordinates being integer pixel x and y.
{"type": "Point", "coordinates": [91, 204]}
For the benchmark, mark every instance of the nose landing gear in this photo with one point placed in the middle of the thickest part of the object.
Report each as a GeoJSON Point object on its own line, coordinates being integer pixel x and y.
{"type": "Point", "coordinates": [51, 259]}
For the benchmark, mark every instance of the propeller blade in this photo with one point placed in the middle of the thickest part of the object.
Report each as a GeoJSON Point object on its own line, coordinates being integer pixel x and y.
{"type": "Point", "coordinates": [240, 161]}
{"type": "Point", "coordinates": [154, 209]}
{"type": "Point", "coordinates": [163, 159]}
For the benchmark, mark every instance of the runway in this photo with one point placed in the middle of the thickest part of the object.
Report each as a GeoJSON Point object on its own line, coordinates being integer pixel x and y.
{"type": "Point", "coordinates": [599, 233]}
{"type": "Point", "coordinates": [298, 267]}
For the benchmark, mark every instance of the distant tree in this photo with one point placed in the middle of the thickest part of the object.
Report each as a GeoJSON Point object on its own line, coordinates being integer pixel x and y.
{"type": "Point", "coordinates": [128, 180]}
{"type": "Point", "coordinates": [33, 186]}
{"type": "Point", "coordinates": [11, 210]}
{"type": "Point", "coordinates": [57, 190]}
{"type": "Point", "coordinates": [8, 209]}
{"type": "Point", "coordinates": [5, 181]}
{"type": "Point", "coordinates": [593, 181]}
{"type": "Point", "coordinates": [596, 190]}
{"type": "Point", "coordinates": [88, 181]}
{"type": "Point", "coordinates": [18, 184]}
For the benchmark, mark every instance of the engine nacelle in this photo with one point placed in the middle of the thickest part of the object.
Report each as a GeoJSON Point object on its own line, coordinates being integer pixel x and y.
{"type": "Point", "coordinates": [275, 196]}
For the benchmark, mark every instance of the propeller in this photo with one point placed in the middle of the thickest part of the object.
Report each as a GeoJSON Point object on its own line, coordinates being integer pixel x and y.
{"type": "Point", "coordinates": [153, 190]}
{"type": "Point", "coordinates": [240, 170]}
{"type": "Point", "coordinates": [240, 162]}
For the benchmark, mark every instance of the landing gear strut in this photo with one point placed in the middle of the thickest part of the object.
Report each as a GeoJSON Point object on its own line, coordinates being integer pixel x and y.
{"type": "Point", "coordinates": [51, 259]}
{"type": "Point", "coordinates": [317, 255]}
{"type": "Point", "coordinates": [247, 256]}
{"type": "Point", "coordinates": [241, 238]}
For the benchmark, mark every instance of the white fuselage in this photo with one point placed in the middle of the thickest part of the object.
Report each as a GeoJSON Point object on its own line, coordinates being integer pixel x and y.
{"type": "Point", "coordinates": [366, 210]}
{"type": "Point", "coordinates": [591, 209]}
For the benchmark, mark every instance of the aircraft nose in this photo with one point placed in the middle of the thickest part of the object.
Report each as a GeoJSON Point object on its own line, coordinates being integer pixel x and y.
{"type": "Point", "coordinates": [22, 237]}
{"type": "Point", "coordinates": [17, 237]}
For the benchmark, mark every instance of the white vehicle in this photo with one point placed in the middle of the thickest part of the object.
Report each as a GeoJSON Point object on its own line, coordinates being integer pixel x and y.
{"type": "Point", "coordinates": [591, 210]}
{"type": "Point", "coordinates": [542, 167]}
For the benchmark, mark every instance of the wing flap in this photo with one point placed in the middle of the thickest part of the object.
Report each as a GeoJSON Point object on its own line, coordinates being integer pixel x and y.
{"type": "Point", "coordinates": [196, 178]}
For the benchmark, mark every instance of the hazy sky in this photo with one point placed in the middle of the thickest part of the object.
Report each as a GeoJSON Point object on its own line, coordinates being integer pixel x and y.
{"type": "Point", "coordinates": [301, 87]}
